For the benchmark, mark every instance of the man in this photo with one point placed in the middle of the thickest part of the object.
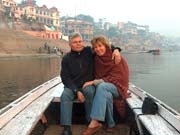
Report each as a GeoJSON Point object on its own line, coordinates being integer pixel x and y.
{"type": "Point", "coordinates": [76, 69]}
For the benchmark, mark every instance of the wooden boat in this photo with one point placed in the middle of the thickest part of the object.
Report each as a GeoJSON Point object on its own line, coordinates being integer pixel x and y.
{"type": "Point", "coordinates": [154, 51]}
{"type": "Point", "coordinates": [40, 105]}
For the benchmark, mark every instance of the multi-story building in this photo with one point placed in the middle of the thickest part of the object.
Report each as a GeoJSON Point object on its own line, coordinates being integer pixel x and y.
{"type": "Point", "coordinates": [1, 6]}
{"type": "Point", "coordinates": [48, 16]}
{"type": "Point", "coordinates": [1, 11]}
{"type": "Point", "coordinates": [29, 10]}
{"type": "Point", "coordinates": [8, 3]}
{"type": "Point", "coordinates": [71, 25]}
{"type": "Point", "coordinates": [9, 7]}
{"type": "Point", "coordinates": [18, 13]}
{"type": "Point", "coordinates": [107, 25]}
{"type": "Point", "coordinates": [121, 25]}
{"type": "Point", "coordinates": [132, 28]}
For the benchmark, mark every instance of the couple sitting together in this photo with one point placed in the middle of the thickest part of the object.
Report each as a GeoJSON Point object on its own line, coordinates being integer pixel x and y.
{"type": "Point", "coordinates": [98, 77]}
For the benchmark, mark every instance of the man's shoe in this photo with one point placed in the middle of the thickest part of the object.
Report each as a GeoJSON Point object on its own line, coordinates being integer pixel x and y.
{"type": "Point", "coordinates": [67, 132]}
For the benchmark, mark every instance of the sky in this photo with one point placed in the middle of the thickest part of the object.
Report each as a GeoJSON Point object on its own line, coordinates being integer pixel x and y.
{"type": "Point", "coordinates": [163, 16]}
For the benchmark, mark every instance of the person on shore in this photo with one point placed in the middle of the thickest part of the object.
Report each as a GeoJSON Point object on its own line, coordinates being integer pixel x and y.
{"type": "Point", "coordinates": [111, 81]}
{"type": "Point", "coordinates": [77, 68]}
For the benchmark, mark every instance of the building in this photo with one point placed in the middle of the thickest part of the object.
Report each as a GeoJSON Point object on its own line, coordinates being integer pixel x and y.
{"type": "Point", "coordinates": [9, 7]}
{"type": "Point", "coordinates": [107, 25]}
{"type": "Point", "coordinates": [28, 10]}
{"type": "Point", "coordinates": [18, 13]}
{"type": "Point", "coordinates": [8, 3]}
{"type": "Point", "coordinates": [132, 28]}
{"type": "Point", "coordinates": [1, 6]}
{"type": "Point", "coordinates": [1, 12]}
{"type": "Point", "coordinates": [45, 34]}
{"type": "Point", "coordinates": [48, 16]}
{"type": "Point", "coordinates": [72, 25]}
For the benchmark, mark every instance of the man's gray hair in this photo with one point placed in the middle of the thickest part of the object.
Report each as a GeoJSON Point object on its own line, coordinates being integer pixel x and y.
{"type": "Point", "coordinates": [74, 35]}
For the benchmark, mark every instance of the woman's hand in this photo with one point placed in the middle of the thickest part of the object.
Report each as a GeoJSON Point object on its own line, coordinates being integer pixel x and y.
{"type": "Point", "coordinates": [88, 84]}
{"type": "Point", "coordinates": [116, 56]}
{"type": "Point", "coordinates": [80, 96]}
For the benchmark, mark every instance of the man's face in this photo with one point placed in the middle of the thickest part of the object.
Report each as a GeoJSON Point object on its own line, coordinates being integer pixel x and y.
{"type": "Point", "coordinates": [76, 44]}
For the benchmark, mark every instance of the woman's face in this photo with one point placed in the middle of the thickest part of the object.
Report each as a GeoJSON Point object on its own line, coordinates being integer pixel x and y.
{"type": "Point", "coordinates": [99, 49]}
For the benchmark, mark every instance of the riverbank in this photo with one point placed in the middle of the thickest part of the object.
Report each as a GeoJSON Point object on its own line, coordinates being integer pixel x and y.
{"type": "Point", "coordinates": [23, 56]}
{"type": "Point", "coordinates": [15, 43]}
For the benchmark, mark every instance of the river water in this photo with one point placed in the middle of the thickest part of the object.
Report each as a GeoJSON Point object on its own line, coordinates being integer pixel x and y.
{"type": "Point", "coordinates": [156, 74]}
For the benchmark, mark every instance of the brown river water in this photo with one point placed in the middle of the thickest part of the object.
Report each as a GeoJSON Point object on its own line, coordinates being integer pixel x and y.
{"type": "Point", "coordinates": [156, 74]}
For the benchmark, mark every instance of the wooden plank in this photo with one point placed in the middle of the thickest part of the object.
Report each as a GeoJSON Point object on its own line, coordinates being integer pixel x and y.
{"type": "Point", "coordinates": [137, 91]}
{"type": "Point", "coordinates": [121, 129]}
{"type": "Point", "coordinates": [166, 112]}
{"type": "Point", "coordinates": [156, 125]}
{"type": "Point", "coordinates": [24, 122]}
{"type": "Point", "coordinates": [166, 121]}
{"type": "Point", "coordinates": [21, 103]}
{"type": "Point", "coordinates": [134, 102]}
{"type": "Point", "coordinates": [57, 93]}
{"type": "Point", "coordinates": [170, 115]}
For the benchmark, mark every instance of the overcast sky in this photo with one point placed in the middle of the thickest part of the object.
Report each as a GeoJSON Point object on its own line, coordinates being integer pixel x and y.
{"type": "Point", "coordinates": [162, 16]}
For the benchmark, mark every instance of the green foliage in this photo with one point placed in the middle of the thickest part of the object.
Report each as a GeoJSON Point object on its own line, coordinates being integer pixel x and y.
{"type": "Point", "coordinates": [113, 32]}
{"type": "Point", "coordinates": [85, 18]}
{"type": "Point", "coordinates": [99, 32]}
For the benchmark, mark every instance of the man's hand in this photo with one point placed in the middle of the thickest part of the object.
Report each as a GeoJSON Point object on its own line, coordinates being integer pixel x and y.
{"type": "Point", "coordinates": [80, 96]}
{"type": "Point", "coordinates": [116, 56]}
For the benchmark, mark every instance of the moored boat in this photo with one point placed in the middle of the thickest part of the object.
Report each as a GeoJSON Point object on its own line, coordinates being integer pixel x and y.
{"type": "Point", "coordinates": [38, 108]}
{"type": "Point", "coordinates": [154, 51]}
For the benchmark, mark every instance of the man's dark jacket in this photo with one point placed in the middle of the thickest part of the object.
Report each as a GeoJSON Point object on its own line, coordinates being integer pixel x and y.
{"type": "Point", "coordinates": [77, 68]}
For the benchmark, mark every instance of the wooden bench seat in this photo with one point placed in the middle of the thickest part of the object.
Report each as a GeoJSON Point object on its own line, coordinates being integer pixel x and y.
{"type": "Point", "coordinates": [24, 121]}
{"type": "Point", "coordinates": [155, 124]}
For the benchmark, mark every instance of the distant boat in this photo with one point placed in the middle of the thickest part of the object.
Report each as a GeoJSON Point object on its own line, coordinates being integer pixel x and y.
{"type": "Point", "coordinates": [133, 52]}
{"type": "Point", "coordinates": [154, 51]}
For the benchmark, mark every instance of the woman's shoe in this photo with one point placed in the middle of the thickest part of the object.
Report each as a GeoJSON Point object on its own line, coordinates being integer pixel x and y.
{"type": "Point", "coordinates": [110, 129]}
{"type": "Point", "coordinates": [91, 131]}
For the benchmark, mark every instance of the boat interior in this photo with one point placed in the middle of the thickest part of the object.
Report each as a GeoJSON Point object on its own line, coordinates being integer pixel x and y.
{"type": "Point", "coordinates": [52, 126]}
{"type": "Point", "coordinates": [38, 113]}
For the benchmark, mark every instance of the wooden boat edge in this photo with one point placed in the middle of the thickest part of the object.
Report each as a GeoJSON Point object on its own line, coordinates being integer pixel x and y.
{"type": "Point", "coordinates": [172, 117]}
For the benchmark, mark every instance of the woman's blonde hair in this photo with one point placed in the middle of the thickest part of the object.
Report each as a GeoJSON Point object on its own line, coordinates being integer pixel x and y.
{"type": "Point", "coordinates": [100, 39]}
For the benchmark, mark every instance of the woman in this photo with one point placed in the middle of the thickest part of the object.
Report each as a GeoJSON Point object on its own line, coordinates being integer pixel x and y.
{"type": "Point", "coordinates": [111, 82]}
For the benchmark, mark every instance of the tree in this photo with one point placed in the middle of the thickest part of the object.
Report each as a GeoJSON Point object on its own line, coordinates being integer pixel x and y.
{"type": "Point", "coordinates": [113, 32]}
{"type": "Point", "coordinates": [85, 18]}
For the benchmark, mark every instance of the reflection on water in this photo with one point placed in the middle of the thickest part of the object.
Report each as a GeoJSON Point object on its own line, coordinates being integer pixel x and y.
{"type": "Point", "coordinates": [156, 74]}
{"type": "Point", "coordinates": [17, 76]}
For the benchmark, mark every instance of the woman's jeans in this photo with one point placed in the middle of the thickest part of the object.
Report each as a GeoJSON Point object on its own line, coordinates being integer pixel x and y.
{"type": "Point", "coordinates": [102, 107]}
{"type": "Point", "coordinates": [67, 99]}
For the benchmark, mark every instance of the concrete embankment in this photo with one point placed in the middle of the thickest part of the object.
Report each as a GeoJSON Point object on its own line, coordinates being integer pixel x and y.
{"type": "Point", "coordinates": [18, 44]}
